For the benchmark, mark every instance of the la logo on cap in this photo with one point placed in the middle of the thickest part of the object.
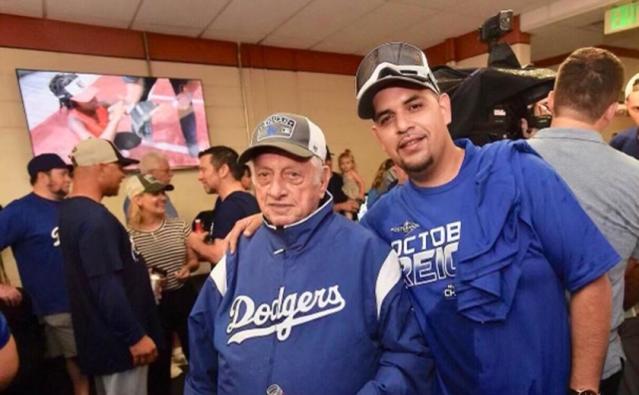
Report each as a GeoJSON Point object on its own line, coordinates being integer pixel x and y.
{"type": "Point", "coordinates": [276, 126]}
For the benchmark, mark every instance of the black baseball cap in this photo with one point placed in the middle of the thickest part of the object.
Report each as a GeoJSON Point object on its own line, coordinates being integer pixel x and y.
{"type": "Point", "coordinates": [391, 64]}
{"type": "Point", "coordinates": [46, 162]}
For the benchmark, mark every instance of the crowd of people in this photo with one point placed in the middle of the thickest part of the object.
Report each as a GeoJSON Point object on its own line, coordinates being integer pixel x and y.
{"type": "Point", "coordinates": [503, 269]}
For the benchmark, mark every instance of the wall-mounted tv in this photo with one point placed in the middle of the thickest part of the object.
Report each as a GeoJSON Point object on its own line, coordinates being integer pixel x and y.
{"type": "Point", "coordinates": [138, 114]}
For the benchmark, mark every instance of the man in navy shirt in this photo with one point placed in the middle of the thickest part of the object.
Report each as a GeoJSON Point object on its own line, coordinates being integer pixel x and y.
{"type": "Point", "coordinates": [29, 225]}
{"type": "Point", "coordinates": [112, 305]}
{"type": "Point", "coordinates": [220, 173]}
{"type": "Point", "coordinates": [489, 239]}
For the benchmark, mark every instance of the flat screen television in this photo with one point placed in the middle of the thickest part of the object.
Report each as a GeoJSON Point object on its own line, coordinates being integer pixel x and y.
{"type": "Point", "coordinates": [139, 114]}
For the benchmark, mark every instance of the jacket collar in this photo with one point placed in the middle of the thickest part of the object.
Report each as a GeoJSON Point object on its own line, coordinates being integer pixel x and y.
{"type": "Point", "coordinates": [296, 235]}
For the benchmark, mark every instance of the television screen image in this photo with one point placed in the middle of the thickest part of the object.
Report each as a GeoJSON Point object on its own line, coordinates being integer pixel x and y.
{"type": "Point", "coordinates": [138, 114]}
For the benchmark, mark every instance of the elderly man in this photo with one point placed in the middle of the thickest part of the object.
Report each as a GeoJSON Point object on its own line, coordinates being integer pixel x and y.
{"type": "Point", "coordinates": [312, 304]}
{"type": "Point", "coordinates": [112, 306]}
{"type": "Point", "coordinates": [584, 101]}
{"type": "Point", "coordinates": [157, 165]}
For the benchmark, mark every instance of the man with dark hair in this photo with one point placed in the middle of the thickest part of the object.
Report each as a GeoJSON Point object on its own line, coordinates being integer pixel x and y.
{"type": "Point", "coordinates": [590, 82]}
{"type": "Point", "coordinates": [114, 315]}
{"type": "Point", "coordinates": [627, 140]}
{"type": "Point", "coordinates": [584, 101]}
{"type": "Point", "coordinates": [29, 225]}
{"type": "Point", "coordinates": [220, 173]}
{"type": "Point", "coordinates": [489, 239]}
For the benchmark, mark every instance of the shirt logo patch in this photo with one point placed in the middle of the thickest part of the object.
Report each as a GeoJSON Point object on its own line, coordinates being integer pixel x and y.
{"type": "Point", "coordinates": [276, 126]}
{"type": "Point", "coordinates": [407, 227]}
{"type": "Point", "coordinates": [282, 314]}
{"type": "Point", "coordinates": [55, 235]}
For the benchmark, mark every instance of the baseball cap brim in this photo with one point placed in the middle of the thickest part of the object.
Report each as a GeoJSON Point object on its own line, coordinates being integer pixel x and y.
{"type": "Point", "coordinates": [256, 149]}
{"type": "Point", "coordinates": [157, 187]}
{"type": "Point", "coordinates": [365, 108]}
{"type": "Point", "coordinates": [122, 160]}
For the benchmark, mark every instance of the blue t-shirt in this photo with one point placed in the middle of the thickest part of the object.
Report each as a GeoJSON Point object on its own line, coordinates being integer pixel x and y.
{"type": "Point", "coordinates": [488, 258]}
{"type": "Point", "coordinates": [227, 212]}
{"type": "Point", "coordinates": [5, 334]}
{"type": "Point", "coordinates": [30, 226]}
{"type": "Point", "coordinates": [627, 142]}
{"type": "Point", "coordinates": [112, 304]}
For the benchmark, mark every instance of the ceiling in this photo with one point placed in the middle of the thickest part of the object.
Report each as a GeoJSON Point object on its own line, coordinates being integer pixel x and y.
{"type": "Point", "coordinates": [344, 26]}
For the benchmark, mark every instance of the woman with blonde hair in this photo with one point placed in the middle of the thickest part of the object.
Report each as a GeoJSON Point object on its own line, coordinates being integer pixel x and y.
{"type": "Point", "coordinates": [162, 242]}
{"type": "Point", "coordinates": [353, 183]}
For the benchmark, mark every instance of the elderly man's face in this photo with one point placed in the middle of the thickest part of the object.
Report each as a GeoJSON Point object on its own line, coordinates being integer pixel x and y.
{"type": "Point", "coordinates": [288, 189]}
{"type": "Point", "coordinates": [162, 172]}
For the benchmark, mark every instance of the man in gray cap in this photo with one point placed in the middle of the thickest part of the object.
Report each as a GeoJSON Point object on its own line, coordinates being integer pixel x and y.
{"type": "Point", "coordinates": [112, 305]}
{"type": "Point", "coordinates": [313, 303]}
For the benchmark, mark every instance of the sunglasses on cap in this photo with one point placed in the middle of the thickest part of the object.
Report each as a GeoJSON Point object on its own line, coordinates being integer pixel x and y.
{"type": "Point", "coordinates": [391, 64]}
{"type": "Point", "coordinates": [395, 59]}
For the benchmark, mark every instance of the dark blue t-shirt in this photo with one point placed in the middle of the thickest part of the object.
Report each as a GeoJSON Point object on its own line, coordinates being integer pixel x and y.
{"type": "Point", "coordinates": [227, 212]}
{"type": "Point", "coordinates": [487, 258]}
{"type": "Point", "coordinates": [627, 142]}
{"type": "Point", "coordinates": [30, 226]}
{"type": "Point", "coordinates": [112, 305]}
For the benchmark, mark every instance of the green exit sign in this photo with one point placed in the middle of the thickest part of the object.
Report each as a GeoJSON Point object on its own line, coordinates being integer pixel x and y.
{"type": "Point", "coordinates": [621, 18]}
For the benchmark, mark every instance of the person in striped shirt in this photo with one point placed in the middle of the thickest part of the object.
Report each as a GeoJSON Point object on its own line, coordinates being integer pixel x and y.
{"type": "Point", "coordinates": [162, 242]}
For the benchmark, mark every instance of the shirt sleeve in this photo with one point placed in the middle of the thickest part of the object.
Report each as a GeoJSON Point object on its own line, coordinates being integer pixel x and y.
{"type": "Point", "coordinates": [5, 334]}
{"type": "Point", "coordinates": [203, 365]}
{"type": "Point", "coordinates": [100, 259]}
{"type": "Point", "coordinates": [406, 365]}
{"type": "Point", "coordinates": [12, 225]}
{"type": "Point", "coordinates": [571, 242]}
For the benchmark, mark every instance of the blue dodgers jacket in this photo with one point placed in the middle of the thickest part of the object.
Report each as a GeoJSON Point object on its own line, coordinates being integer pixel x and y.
{"type": "Point", "coordinates": [317, 307]}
